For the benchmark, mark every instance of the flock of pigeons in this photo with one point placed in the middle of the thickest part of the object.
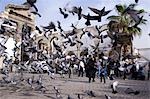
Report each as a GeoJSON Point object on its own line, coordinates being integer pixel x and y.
{"type": "Point", "coordinates": [7, 30]}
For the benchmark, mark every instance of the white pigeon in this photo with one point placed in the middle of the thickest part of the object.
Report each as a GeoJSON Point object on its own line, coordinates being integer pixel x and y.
{"type": "Point", "coordinates": [107, 97]}
{"type": "Point", "coordinates": [114, 87]}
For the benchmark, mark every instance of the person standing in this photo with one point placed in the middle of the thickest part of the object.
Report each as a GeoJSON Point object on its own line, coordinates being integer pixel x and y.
{"type": "Point", "coordinates": [148, 76]}
{"type": "Point", "coordinates": [91, 70]}
{"type": "Point", "coordinates": [81, 68]}
{"type": "Point", "coordinates": [99, 66]}
{"type": "Point", "coordinates": [125, 70]}
{"type": "Point", "coordinates": [103, 73]}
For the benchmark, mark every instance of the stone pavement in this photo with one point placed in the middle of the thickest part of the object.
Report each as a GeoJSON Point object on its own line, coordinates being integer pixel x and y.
{"type": "Point", "coordinates": [76, 85]}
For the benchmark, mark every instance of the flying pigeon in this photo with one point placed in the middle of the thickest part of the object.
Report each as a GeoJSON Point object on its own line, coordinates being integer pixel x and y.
{"type": "Point", "coordinates": [36, 13]}
{"type": "Point", "coordinates": [78, 11]}
{"type": "Point", "coordinates": [38, 29]}
{"type": "Point", "coordinates": [63, 13]}
{"type": "Point", "coordinates": [87, 23]}
{"type": "Point", "coordinates": [58, 48]}
{"type": "Point", "coordinates": [73, 26]}
{"type": "Point", "coordinates": [81, 43]}
{"type": "Point", "coordinates": [75, 10]}
{"type": "Point", "coordinates": [49, 27]}
{"type": "Point", "coordinates": [100, 13]}
{"type": "Point", "coordinates": [31, 3]}
{"type": "Point", "coordinates": [83, 32]}
{"type": "Point", "coordinates": [59, 26]}
{"type": "Point", "coordinates": [90, 35]}
{"type": "Point", "coordinates": [136, 1]}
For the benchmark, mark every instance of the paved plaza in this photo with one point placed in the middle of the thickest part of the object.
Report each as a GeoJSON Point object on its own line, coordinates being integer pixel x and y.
{"type": "Point", "coordinates": [73, 86]}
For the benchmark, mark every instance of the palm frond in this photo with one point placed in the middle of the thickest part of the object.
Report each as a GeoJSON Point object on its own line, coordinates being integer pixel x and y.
{"type": "Point", "coordinates": [114, 18]}
{"type": "Point", "coordinates": [141, 11]}
{"type": "Point", "coordinates": [120, 8]}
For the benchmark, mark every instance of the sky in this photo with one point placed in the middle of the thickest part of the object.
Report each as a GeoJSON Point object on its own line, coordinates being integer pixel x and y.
{"type": "Point", "coordinates": [49, 9]}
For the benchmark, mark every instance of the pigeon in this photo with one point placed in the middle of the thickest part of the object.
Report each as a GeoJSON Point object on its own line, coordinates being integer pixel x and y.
{"type": "Point", "coordinates": [90, 35]}
{"type": "Point", "coordinates": [83, 32]}
{"type": "Point", "coordinates": [36, 13]}
{"type": "Point", "coordinates": [63, 13]}
{"type": "Point", "coordinates": [136, 1]}
{"type": "Point", "coordinates": [114, 87]}
{"type": "Point", "coordinates": [133, 13]}
{"type": "Point", "coordinates": [78, 11]}
{"type": "Point", "coordinates": [81, 43]}
{"type": "Point", "coordinates": [54, 37]}
{"type": "Point", "coordinates": [38, 29]}
{"type": "Point", "coordinates": [56, 89]}
{"type": "Point", "coordinates": [30, 81]}
{"type": "Point", "coordinates": [3, 39]}
{"type": "Point", "coordinates": [39, 81]}
{"type": "Point", "coordinates": [6, 80]}
{"type": "Point", "coordinates": [31, 3]}
{"type": "Point", "coordinates": [131, 91]}
{"type": "Point", "coordinates": [79, 96]}
{"type": "Point", "coordinates": [47, 34]}
{"type": "Point", "coordinates": [101, 12]}
{"type": "Point", "coordinates": [69, 97]}
{"type": "Point", "coordinates": [2, 30]}
{"type": "Point", "coordinates": [39, 41]}
{"type": "Point", "coordinates": [75, 10]}
{"type": "Point", "coordinates": [63, 35]}
{"type": "Point", "coordinates": [58, 48]}
{"type": "Point", "coordinates": [59, 26]}
{"type": "Point", "coordinates": [95, 47]}
{"type": "Point", "coordinates": [107, 97]}
{"type": "Point", "coordinates": [90, 93]}
{"type": "Point", "coordinates": [72, 44]}
{"type": "Point", "coordinates": [138, 22]}
{"type": "Point", "coordinates": [6, 27]}
{"type": "Point", "coordinates": [72, 33]}
{"type": "Point", "coordinates": [88, 17]}
{"type": "Point", "coordinates": [101, 38]}
{"type": "Point", "coordinates": [73, 26]}
{"type": "Point", "coordinates": [87, 23]}
{"type": "Point", "coordinates": [2, 49]}
{"type": "Point", "coordinates": [96, 27]}
{"type": "Point", "coordinates": [49, 27]}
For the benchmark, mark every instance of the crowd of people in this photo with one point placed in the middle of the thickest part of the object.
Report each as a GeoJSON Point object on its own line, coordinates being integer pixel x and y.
{"type": "Point", "coordinates": [89, 66]}
{"type": "Point", "coordinates": [100, 67]}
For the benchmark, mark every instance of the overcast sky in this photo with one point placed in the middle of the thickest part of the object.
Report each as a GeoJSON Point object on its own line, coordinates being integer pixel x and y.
{"type": "Point", "coordinates": [49, 9]}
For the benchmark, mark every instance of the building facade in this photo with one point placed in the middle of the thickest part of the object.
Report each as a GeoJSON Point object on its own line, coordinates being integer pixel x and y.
{"type": "Point", "coordinates": [19, 15]}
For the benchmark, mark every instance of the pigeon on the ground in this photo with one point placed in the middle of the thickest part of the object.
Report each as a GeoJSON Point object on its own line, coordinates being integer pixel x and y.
{"type": "Point", "coordinates": [114, 87]}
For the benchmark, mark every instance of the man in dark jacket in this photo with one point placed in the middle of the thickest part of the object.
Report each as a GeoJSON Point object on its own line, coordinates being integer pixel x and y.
{"type": "Point", "coordinates": [90, 69]}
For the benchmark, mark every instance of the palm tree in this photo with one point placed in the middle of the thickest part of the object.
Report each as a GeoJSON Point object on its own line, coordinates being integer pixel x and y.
{"type": "Point", "coordinates": [125, 25]}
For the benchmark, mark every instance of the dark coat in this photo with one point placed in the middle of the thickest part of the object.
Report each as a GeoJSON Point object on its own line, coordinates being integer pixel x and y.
{"type": "Point", "coordinates": [90, 68]}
